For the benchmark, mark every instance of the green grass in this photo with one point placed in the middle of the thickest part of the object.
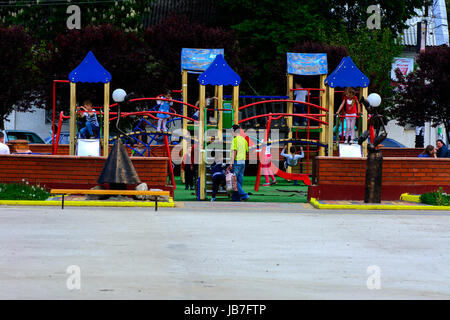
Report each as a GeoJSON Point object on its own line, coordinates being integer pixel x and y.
{"type": "Point", "coordinates": [283, 191]}
{"type": "Point", "coordinates": [22, 191]}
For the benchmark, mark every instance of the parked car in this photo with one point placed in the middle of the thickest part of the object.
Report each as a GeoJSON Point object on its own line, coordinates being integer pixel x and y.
{"type": "Point", "coordinates": [30, 136]}
{"type": "Point", "coordinates": [64, 138]}
{"type": "Point", "coordinates": [391, 143]}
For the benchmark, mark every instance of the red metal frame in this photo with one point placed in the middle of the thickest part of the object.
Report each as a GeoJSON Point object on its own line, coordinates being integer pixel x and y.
{"type": "Point", "coordinates": [54, 109]}
{"type": "Point", "coordinates": [172, 176]}
{"type": "Point", "coordinates": [304, 115]}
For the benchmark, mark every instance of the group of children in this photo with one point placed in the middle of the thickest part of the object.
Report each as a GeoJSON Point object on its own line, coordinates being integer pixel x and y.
{"type": "Point", "coordinates": [219, 169]}
{"type": "Point", "coordinates": [291, 160]}
{"type": "Point", "coordinates": [91, 127]}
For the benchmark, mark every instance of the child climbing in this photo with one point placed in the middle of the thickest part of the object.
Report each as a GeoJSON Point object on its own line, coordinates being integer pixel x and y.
{"type": "Point", "coordinates": [266, 161]}
{"type": "Point", "coordinates": [164, 106]}
{"type": "Point", "coordinates": [352, 109]}
{"type": "Point", "coordinates": [218, 174]}
{"type": "Point", "coordinates": [209, 104]}
{"type": "Point", "coordinates": [292, 158]}
{"type": "Point", "coordinates": [92, 127]}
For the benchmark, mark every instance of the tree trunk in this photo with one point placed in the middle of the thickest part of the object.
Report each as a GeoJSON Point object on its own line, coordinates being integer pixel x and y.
{"type": "Point", "coordinates": [374, 172]}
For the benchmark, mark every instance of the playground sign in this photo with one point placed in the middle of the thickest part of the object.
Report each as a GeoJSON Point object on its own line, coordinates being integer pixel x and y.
{"type": "Point", "coordinates": [307, 64]}
{"type": "Point", "coordinates": [198, 59]}
{"type": "Point", "coordinates": [406, 65]}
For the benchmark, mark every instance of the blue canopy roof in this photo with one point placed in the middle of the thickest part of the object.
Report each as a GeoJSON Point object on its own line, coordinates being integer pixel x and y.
{"type": "Point", "coordinates": [90, 70]}
{"type": "Point", "coordinates": [347, 74]}
{"type": "Point", "coordinates": [219, 73]}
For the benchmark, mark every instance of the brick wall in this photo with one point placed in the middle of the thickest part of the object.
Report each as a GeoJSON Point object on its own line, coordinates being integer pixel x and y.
{"type": "Point", "coordinates": [63, 149]}
{"type": "Point", "coordinates": [395, 152]}
{"type": "Point", "coordinates": [344, 178]}
{"type": "Point", "coordinates": [75, 172]}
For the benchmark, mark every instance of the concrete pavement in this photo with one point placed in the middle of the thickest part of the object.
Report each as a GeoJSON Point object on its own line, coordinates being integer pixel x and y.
{"type": "Point", "coordinates": [223, 251]}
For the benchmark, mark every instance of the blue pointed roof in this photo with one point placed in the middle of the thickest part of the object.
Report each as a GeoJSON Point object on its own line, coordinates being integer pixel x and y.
{"type": "Point", "coordinates": [347, 74]}
{"type": "Point", "coordinates": [219, 73]}
{"type": "Point", "coordinates": [90, 71]}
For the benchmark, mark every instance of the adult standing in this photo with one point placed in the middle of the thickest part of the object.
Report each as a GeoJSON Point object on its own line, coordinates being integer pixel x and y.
{"type": "Point", "coordinates": [4, 149]}
{"type": "Point", "coordinates": [442, 150]}
{"type": "Point", "coordinates": [239, 150]}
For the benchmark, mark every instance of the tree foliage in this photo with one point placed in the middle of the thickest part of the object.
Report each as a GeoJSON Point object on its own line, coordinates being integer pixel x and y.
{"type": "Point", "coordinates": [373, 52]}
{"type": "Point", "coordinates": [423, 95]}
{"type": "Point", "coordinates": [353, 14]}
{"type": "Point", "coordinates": [48, 17]}
{"type": "Point", "coordinates": [169, 36]}
{"type": "Point", "coordinates": [17, 71]}
{"type": "Point", "coordinates": [269, 28]}
{"type": "Point", "coordinates": [124, 55]}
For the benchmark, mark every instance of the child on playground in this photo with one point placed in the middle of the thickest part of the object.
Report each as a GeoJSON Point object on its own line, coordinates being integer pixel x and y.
{"type": "Point", "coordinates": [208, 105]}
{"type": "Point", "coordinates": [300, 96]}
{"type": "Point", "coordinates": [218, 174]}
{"type": "Point", "coordinates": [164, 106]}
{"type": "Point", "coordinates": [352, 109]}
{"type": "Point", "coordinates": [138, 148]}
{"type": "Point", "coordinates": [266, 161]}
{"type": "Point", "coordinates": [292, 158]}
{"type": "Point", "coordinates": [189, 169]}
{"type": "Point", "coordinates": [91, 126]}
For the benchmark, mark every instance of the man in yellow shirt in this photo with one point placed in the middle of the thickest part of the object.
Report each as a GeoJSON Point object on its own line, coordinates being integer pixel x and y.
{"type": "Point", "coordinates": [239, 150]}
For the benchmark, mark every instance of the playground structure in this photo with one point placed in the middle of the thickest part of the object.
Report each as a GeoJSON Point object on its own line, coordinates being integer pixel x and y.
{"type": "Point", "coordinates": [214, 71]}
{"type": "Point", "coordinates": [332, 177]}
{"type": "Point", "coordinates": [89, 71]}
{"type": "Point", "coordinates": [345, 75]}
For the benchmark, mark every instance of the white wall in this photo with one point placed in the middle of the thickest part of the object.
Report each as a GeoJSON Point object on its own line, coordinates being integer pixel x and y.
{"type": "Point", "coordinates": [400, 134]}
{"type": "Point", "coordinates": [33, 120]}
{"type": "Point", "coordinates": [408, 136]}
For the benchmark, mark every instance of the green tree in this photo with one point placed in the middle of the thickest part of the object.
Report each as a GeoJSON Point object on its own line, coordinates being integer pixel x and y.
{"type": "Point", "coordinates": [268, 28]}
{"type": "Point", "coordinates": [124, 55]}
{"type": "Point", "coordinates": [353, 13]}
{"type": "Point", "coordinates": [423, 95]}
{"type": "Point", "coordinates": [373, 52]}
{"type": "Point", "coordinates": [46, 18]}
{"type": "Point", "coordinates": [17, 73]}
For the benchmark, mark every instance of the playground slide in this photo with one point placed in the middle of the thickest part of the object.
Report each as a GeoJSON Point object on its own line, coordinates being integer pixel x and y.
{"type": "Point", "coordinates": [290, 176]}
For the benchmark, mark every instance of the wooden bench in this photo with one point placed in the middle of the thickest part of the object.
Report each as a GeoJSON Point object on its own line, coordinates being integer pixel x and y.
{"type": "Point", "coordinates": [64, 192]}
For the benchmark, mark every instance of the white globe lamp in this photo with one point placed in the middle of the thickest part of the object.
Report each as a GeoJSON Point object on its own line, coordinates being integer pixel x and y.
{"type": "Point", "coordinates": [119, 95]}
{"type": "Point", "coordinates": [374, 99]}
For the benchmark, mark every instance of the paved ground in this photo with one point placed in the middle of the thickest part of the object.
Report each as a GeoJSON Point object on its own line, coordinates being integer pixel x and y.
{"type": "Point", "coordinates": [223, 251]}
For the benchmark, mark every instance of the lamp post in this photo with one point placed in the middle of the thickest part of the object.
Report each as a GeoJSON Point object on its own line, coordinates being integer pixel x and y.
{"type": "Point", "coordinates": [377, 133]}
{"type": "Point", "coordinates": [118, 96]}
{"type": "Point", "coordinates": [118, 170]}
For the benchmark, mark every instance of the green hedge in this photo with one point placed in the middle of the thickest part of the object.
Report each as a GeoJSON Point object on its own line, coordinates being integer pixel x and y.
{"type": "Point", "coordinates": [436, 198]}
